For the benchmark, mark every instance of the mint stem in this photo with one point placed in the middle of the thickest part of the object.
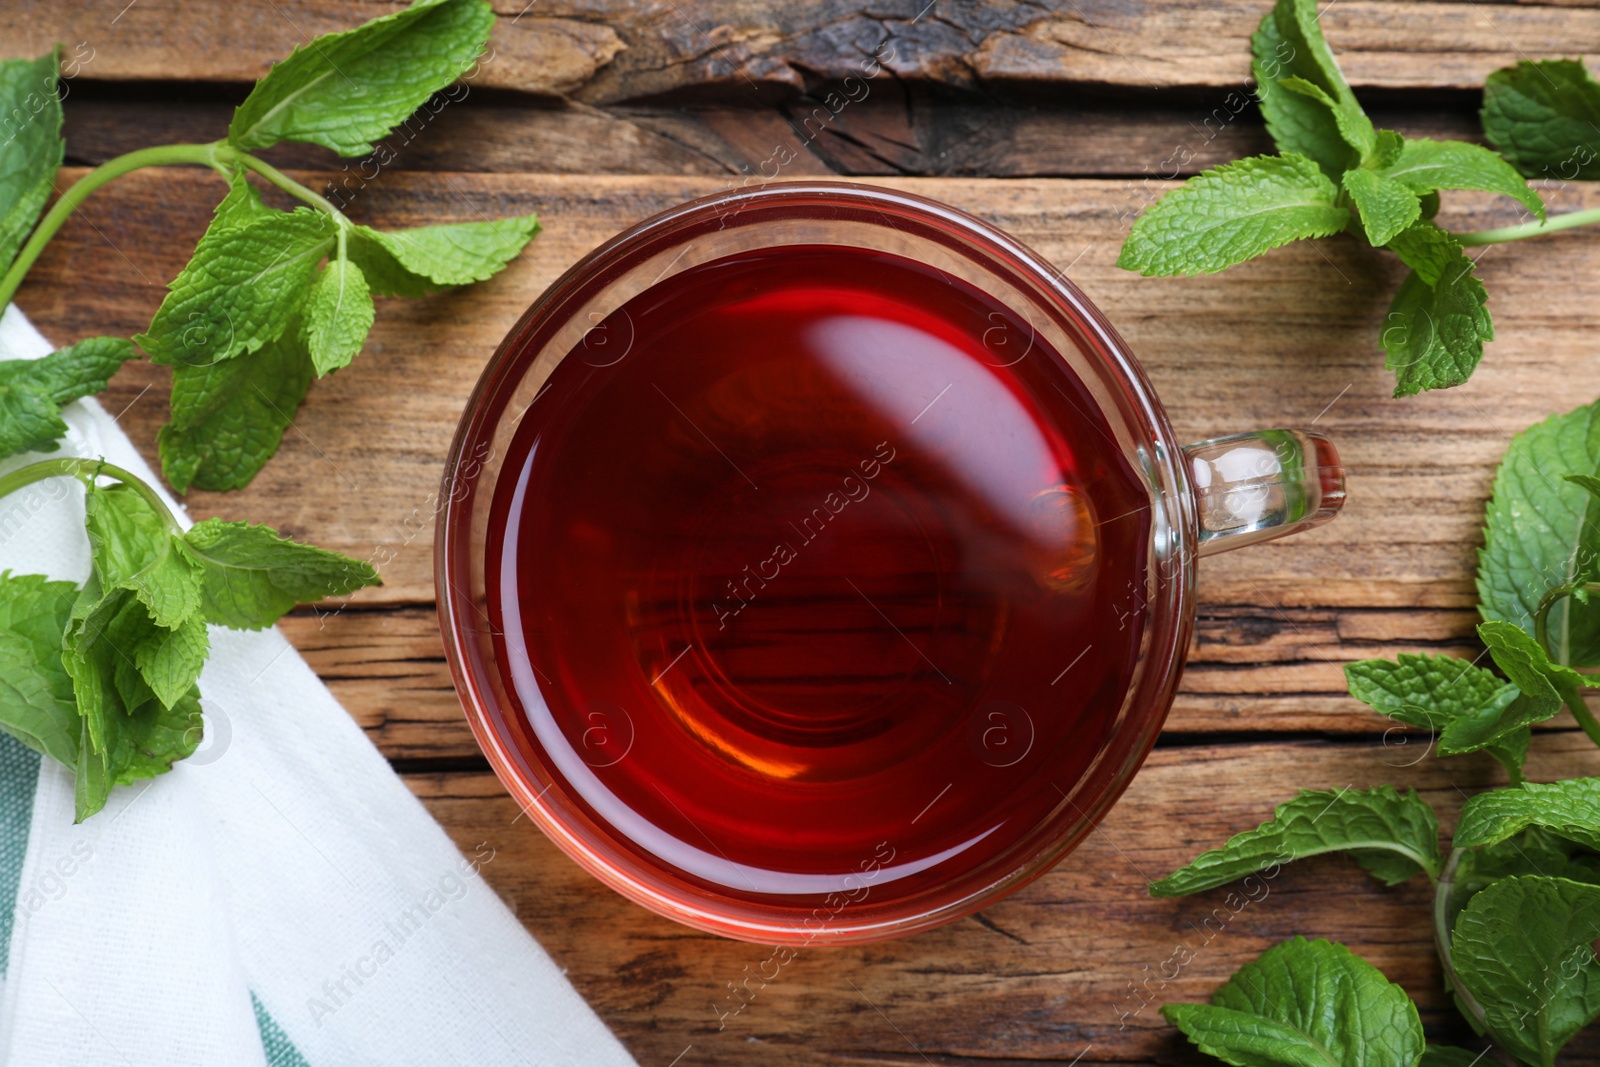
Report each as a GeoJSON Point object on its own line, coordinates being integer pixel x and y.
{"type": "Point", "coordinates": [1513, 772]}
{"type": "Point", "coordinates": [213, 155]}
{"type": "Point", "coordinates": [1529, 229]}
{"type": "Point", "coordinates": [281, 180]}
{"type": "Point", "coordinates": [1581, 712]}
{"type": "Point", "coordinates": [86, 471]}
{"type": "Point", "coordinates": [1441, 940]}
{"type": "Point", "coordinates": [1541, 614]}
{"type": "Point", "coordinates": [1572, 696]}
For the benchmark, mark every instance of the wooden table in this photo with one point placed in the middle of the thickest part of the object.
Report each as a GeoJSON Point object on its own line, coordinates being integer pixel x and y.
{"type": "Point", "coordinates": [1056, 120]}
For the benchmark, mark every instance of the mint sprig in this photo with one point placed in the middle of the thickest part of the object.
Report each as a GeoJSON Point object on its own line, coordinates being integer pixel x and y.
{"type": "Point", "coordinates": [1514, 940]}
{"type": "Point", "coordinates": [1438, 322]}
{"type": "Point", "coordinates": [1516, 904]}
{"type": "Point", "coordinates": [32, 392]}
{"type": "Point", "coordinates": [37, 705]}
{"type": "Point", "coordinates": [1305, 1004]}
{"type": "Point", "coordinates": [1538, 571]}
{"type": "Point", "coordinates": [1541, 532]}
{"type": "Point", "coordinates": [1464, 706]}
{"type": "Point", "coordinates": [1379, 186]}
{"type": "Point", "coordinates": [1568, 809]}
{"type": "Point", "coordinates": [1393, 835]}
{"type": "Point", "coordinates": [228, 417]}
{"type": "Point", "coordinates": [249, 273]}
{"type": "Point", "coordinates": [104, 678]}
{"type": "Point", "coordinates": [286, 295]}
{"type": "Point", "coordinates": [32, 150]}
{"type": "Point", "coordinates": [1544, 117]}
{"type": "Point", "coordinates": [346, 90]}
{"type": "Point", "coordinates": [1521, 951]}
{"type": "Point", "coordinates": [1233, 213]}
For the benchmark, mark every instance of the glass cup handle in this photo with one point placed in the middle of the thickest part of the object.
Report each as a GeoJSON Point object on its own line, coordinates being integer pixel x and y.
{"type": "Point", "coordinates": [1253, 487]}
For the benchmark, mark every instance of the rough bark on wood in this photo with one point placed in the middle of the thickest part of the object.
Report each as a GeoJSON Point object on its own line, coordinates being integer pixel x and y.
{"type": "Point", "coordinates": [606, 51]}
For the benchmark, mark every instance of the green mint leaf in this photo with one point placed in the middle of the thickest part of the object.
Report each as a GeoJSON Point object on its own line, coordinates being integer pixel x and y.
{"type": "Point", "coordinates": [1305, 1004]}
{"type": "Point", "coordinates": [1510, 748]}
{"type": "Point", "coordinates": [242, 206]}
{"type": "Point", "coordinates": [92, 778]}
{"type": "Point", "coordinates": [1392, 835]}
{"type": "Point", "coordinates": [102, 636]}
{"type": "Point", "coordinates": [248, 274]}
{"type": "Point", "coordinates": [1387, 147]}
{"type": "Point", "coordinates": [1437, 323]}
{"type": "Point", "coordinates": [1456, 700]}
{"type": "Point", "coordinates": [1299, 23]}
{"type": "Point", "coordinates": [1355, 129]}
{"type": "Point", "coordinates": [104, 678]}
{"type": "Point", "coordinates": [164, 645]}
{"type": "Point", "coordinates": [92, 613]}
{"type": "Point", "coordinates": [1540, 531]}
{"type": "Point", "coordinates": [1589, 482]}
{"type": "Point", "coordinates": [33, 708]}
{"type": "Point", "coordinates": [36, 701]}
{"type": "Point", "coordinates": [1586, 557]}
{"type": "Point", "coordinates": [32, 149]}
{"type": "Point", "coordinates": [132, 548]}
{"type": "Point", "coordinates": [128, 732]}
{"type": "Point", "coordinates": [156, 737]}
{"type": "Point", "coordinates": [253, 576]}
{"type": "Point", "coordinates": [1425, 166]}
{"type": "Point", "coordinates": [338, 314]}
{"type": "Point", "coordinates": [169, 661]}
{"type": "Point", "coordinates": [1521, 949]}
{"type": "Point", "coordinates": [228, 418]}
{"type": "Point", "coordinates": [1298, 124]}
{"type": "Point", "coordinates": [152, 662]}
{"type": "Point", "coordinates": [1426, 691]}
{"type": "Point", "coordinates": [36, 610]}
{"type": "Point", "coordinates": [1568, 809]}
{"type": "Point", "coordinates": [1543, 685]}
{"type": "Point", "coordinates": [1544, 118]}
{"type": "Point", "coordinates": [1533, 851]}
{"type": "Point", "coordinates": [1430, 205]}
{"type": "Point", "coordinates": [1386, 207]}
{"type": "Point", "coordinates": [32, 391]}
{"type": "Point", "coordinates": [415, 262]}
{"type": "Point", "coordinates": [1233, 213]}
{"type": "Point", "coordinates": [1429, 251]}
{"type": "Point", "coordinates": [1288, 44]}
{"type": "Point", "coordinates": [346, 90]}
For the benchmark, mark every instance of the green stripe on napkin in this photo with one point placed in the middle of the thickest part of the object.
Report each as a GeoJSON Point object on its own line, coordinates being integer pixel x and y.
{"type": "Point", "coordinates": [280, 1050]}
{"type": "Point", "coordinates": [19, 776]}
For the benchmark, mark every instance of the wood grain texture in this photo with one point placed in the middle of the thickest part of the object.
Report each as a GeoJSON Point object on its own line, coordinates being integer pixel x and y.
{"type": "Point", "coordinates": [607, 51]}
{"type": "Point", "coordinates": [892, 131]}
{"type": "Point", "coordinates": [1071, 969]}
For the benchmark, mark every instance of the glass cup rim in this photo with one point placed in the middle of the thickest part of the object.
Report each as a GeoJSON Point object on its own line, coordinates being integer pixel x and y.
{"type": "Point", "coordinates": [1170, 627]}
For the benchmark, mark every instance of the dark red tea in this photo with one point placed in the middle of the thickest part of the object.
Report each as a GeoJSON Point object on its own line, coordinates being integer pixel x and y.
{"type": "Point", "coordinates": [812, 562]}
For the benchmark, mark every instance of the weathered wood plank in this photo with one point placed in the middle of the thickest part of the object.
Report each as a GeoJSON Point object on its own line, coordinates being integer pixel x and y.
{"type": "Point", "coordinates": [1250, 670]}
{"type": "Point", "coordinates": [889, 132]}
{"type": "Point", "coordinates": [1070, 966]}
{"type": "Point", "coordinates": [604, 51]}
{"type": "Point", "coordinates": [1288, 339]}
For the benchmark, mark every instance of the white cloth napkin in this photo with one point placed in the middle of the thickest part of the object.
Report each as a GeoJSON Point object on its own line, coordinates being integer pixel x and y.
{"type": "Point", "coordinates": [280, 898]}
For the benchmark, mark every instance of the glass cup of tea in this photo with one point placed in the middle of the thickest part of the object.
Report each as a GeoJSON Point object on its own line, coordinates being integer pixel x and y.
{"type": "Point", "coordinates": [817, 565]}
